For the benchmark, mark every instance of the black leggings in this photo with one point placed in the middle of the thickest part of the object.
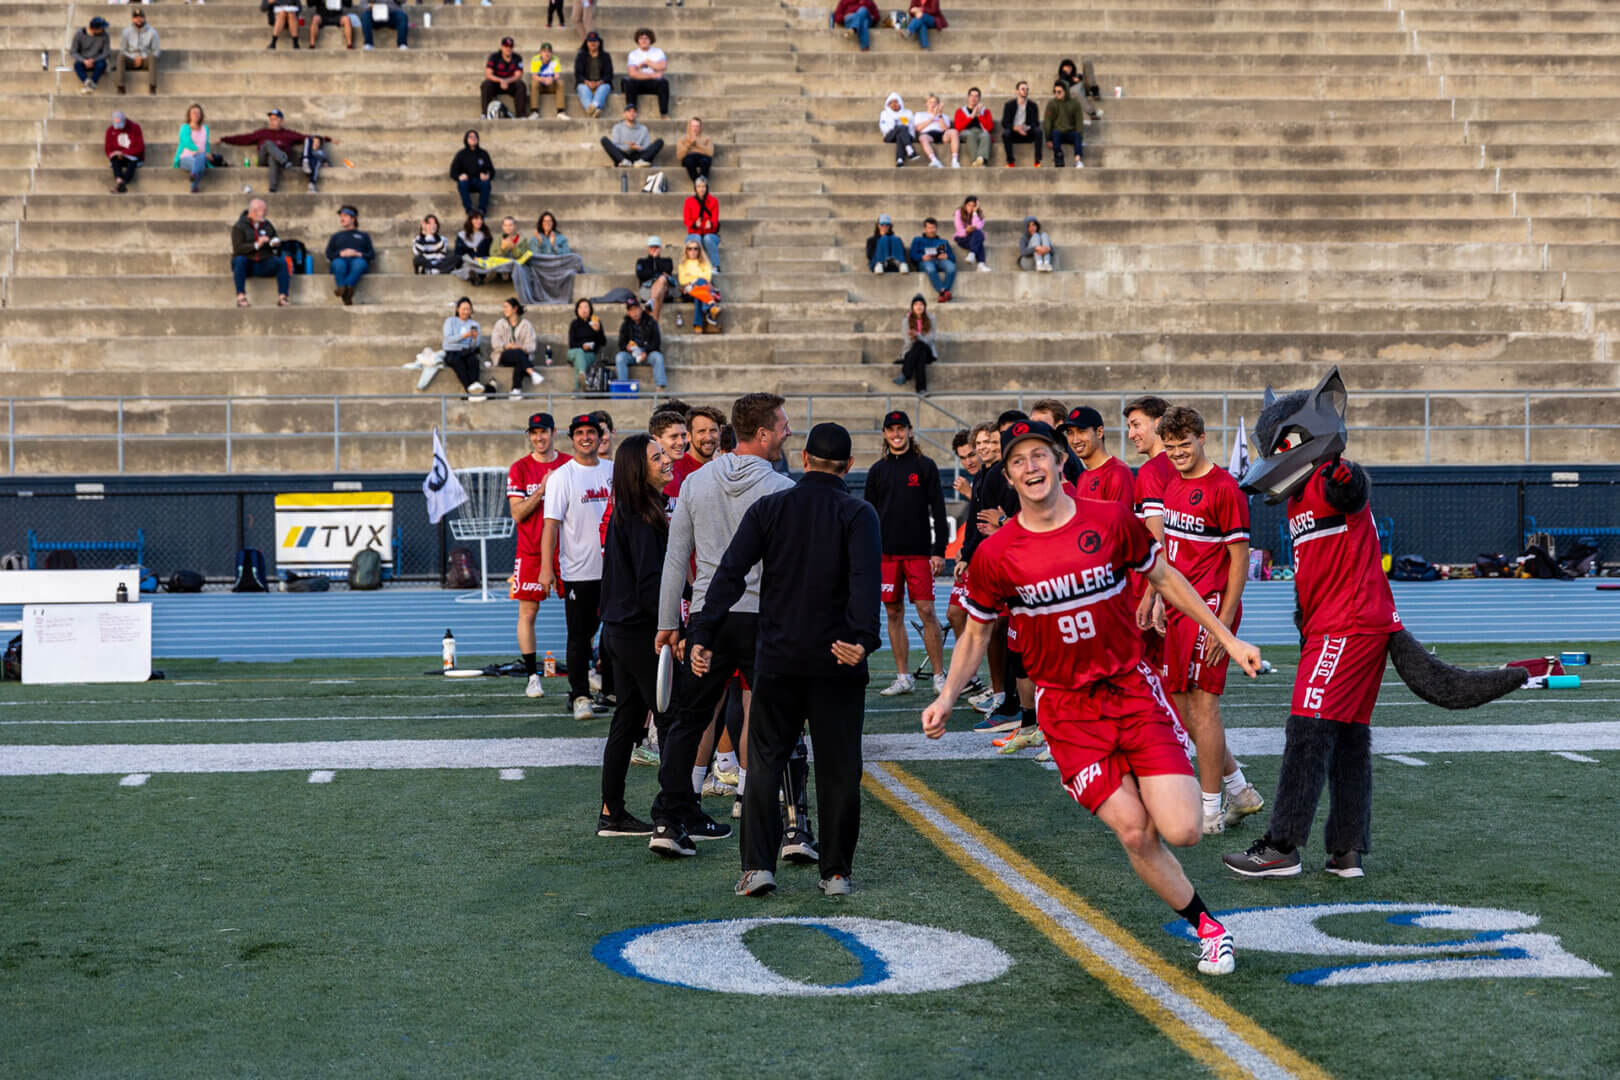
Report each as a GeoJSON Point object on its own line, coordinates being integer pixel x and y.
{"type": "Point", "coordinates": [464, 363]}
{"type": "Point", "coordinates": [914, 364]}
{"type": "Point", "coordinates": [637, 665]}
{"type": "Point", "coordinates": [697, 165]}
{"type": "Point", "coordinates": [519, 361]}
{"type": "Point", "coordinates": [582, 600]}
{"type": "Point", "coordinates": [555, 7]}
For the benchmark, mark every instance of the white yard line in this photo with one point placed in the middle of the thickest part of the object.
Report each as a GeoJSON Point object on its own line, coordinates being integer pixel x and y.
{"type": "Point", "coordinates": [1570, 756]}
{"type": "Point", "coordinates": [1402, 759]}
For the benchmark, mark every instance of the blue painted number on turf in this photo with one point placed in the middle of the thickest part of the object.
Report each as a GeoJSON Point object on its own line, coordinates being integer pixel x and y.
{"type": "Point", "coordinates": [895, 957]}
{"type": "Point", "coordinates": [1492, 944]}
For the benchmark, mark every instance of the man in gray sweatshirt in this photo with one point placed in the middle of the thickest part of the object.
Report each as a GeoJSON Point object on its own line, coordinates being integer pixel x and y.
{"type": "Point", "coordinates": [89, 52]}
{"type": "Point", "coordinates": [711, 506]}
{"type": "Point", "coordinates": [631, 142]}
{"type": "Point", "coordinates": [139, 48]}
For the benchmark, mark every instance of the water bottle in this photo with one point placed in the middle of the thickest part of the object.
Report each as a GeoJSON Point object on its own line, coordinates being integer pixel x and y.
{"type": "Point", "coordinates": [44, 60]}
{"type": "Point", "coordinates": [678, 321]}
{"type": "Point", "coordinates": [548, 356]}
{"type": "Point", "coordinates": [449, 650]}
{"type": "Point", "coordinates": [551, 664]}
{"type": "Point", "coordinates": [123, 593]}
{"type": "Point", "coordinates": [624, 183]}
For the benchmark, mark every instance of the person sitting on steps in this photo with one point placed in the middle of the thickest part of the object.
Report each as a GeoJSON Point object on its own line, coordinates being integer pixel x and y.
{"type": "Point", "coordinates": [350, 254]}
{"type": "Point", "coordinates": [430, 251]}
{"type": "Point", "coordinates": [696, 275]}
{"type": "Point", "coordinates": [655, 275]}
{"type": "Point", "coordinates": [894, 124]}
{"type": "Point", "coordinates": [587, 343]}
{"type": "Point", "coordinates": [919, 330]}
{"type": "Point", "coordinates": [276, 140]}
{"type": "Point", "coordinates": [513, 344]}
{"type": "Point", "coordinates": [256, 252]}
{"type": "Point", "coordinates": [885, 252]}
{"type": "Point", "coordinates": [631, 143]}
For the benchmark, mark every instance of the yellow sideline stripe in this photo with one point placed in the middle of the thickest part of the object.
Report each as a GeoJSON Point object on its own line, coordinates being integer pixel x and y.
{"type": "Point", "coordinates": [1195, 1044]}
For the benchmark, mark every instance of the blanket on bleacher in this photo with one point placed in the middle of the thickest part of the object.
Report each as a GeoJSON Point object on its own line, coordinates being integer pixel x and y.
{"type": "Point", "coordinates": [537, 279]}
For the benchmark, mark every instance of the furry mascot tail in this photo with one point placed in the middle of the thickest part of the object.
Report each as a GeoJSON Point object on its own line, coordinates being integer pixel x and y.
{"type": "Point", "coordinates": [1441, 684]}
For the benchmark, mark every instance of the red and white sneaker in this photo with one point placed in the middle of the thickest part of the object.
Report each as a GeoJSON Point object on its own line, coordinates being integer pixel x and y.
{"type": "Point", "coordinates": [1215, 956]}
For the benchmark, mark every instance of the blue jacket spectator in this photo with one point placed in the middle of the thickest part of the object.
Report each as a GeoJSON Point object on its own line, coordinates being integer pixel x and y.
{"type": "Point", "coordinates": [350, 253]}
{"type": "Point", "coordinates": [931, 253]}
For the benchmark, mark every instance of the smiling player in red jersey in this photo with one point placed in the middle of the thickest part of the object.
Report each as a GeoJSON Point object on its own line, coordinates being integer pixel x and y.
{"type": "Point", "coordinates": [526, 496]}
{"type": "Point", "coordinates": [1106, 477]}
{"type": "Point", "coordinates": [1142, 429]}
{"type": "Point", "coordinates": [1060, 568]}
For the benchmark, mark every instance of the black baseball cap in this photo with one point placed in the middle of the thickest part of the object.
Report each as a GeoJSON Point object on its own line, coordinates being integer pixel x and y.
{"type": "Point", "coordinates": [1029, 429]}
{"type": "Point", "coordinates": [1010, 415]}
{"type": "Point", "coordinates": [896, 418]}
{"type": "Point", "coordinates": [1082, 416]}
{"type": "Point", "coordinates": [507, 42]}
{"type": "Point", "coordinates": [584, 420]}
{"type": "Point", "coordinates": [543, 421]}
{"type": "Point", "coordinates": [593, 36]}
{"type": "Point", "coordinates": [830, 442]}
{"type": "Point", "coordinates": [276, 112]}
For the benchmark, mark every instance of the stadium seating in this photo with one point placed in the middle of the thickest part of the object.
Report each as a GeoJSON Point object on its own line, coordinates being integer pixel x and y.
{"type": "Point", "coordinates": [1425, 195]}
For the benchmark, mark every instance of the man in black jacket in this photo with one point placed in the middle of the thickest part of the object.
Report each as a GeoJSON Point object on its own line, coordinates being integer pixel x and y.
{"type": "Point", "coordinates": [256, 252]}
{"type": "Point", "coordinates": [1021, 123]}
{"type": "Point", "coordinates": [903, 487]}
{"type": "Point", "coordinates": [821, 555]}
{"type": "Point", "coordinates": [640, 343]}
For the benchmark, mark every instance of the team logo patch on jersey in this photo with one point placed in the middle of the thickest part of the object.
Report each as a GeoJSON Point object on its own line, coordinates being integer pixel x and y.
{"type": "Point", "coordinates": [1090, 542]}
{"type": "Point", "coordinates": [1196, 497]}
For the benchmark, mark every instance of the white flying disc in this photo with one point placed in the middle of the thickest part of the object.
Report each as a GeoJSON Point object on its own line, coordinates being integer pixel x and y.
{"type": "Point", "coordinates": [666, 679]}
{"type": "Point", "coordinates": [463, 672]}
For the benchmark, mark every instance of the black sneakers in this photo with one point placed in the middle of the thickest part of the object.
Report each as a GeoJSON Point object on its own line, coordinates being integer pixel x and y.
{"type": "Point", "coordinates": [704, 827]}
{"type": "Point", "coordinates": [798, 846]}
{"type": "Point", "coordinates": [671, 841]}
{"type": "Point", "coordinates": [1263, 860]}
{"type": "Point", "coordinates": [621, 824]}
{"type": "Point", "coordinates": [1345, 864]}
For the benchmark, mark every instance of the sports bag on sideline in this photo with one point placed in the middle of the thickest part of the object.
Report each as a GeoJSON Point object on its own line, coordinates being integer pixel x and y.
{"type": "Point", "coordinates": [365, 570]}
{"type": "Point", "coordinates": [307, 583]}
{"type": "Point", "coordinates": [185, 581]}
{"type": "Point", "coordinates": [250, 571]}
{"type": "Point", "coordinates": [460, 572]}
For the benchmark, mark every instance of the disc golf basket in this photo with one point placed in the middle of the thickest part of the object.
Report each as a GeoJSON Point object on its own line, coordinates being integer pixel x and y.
{"type": "Point", "coordinates": [483, 517]}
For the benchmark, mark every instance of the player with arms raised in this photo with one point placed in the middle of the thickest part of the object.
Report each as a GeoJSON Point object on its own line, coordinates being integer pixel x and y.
{"type": "Point", "coordinates": [1060, 567]}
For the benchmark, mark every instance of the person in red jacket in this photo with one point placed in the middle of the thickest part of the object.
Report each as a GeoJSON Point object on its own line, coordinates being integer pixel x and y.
{"type": "Point", "coordinates": [702, 217]}
{"type": "Point", "coordinates": [276, 141]}
{"type": "Point", "coordinates": [975, 123]}
{"type": "Point", "coordinates": [857, 17]}
{"type": "Point", "coordinates": [126, 150]}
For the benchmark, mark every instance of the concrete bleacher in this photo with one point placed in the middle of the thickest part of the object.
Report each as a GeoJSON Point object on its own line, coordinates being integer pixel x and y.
{"type": "Point", "coordinates": [1426, 196]}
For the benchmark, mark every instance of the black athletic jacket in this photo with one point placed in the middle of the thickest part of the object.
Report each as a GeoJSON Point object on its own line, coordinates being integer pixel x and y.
{"type": "Point", "coordinates": [632, 566]}
{"type": "Point", "coordinates": [821, 548]}
{"type": "Point", "coordinates": [906, 494]}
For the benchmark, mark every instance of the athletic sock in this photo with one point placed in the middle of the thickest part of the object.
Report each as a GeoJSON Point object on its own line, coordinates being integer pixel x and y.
{"type": "Point", "coordinates": [698, 773]}
{"type": "Point", "coordinates": [742, 779]}
{"type": "Point", "coordinates": [726, 761]}
{"type": "Point", "coordinates": [1026, 718]}
{"type": "Point", "coordinates": [528, 664]}
{"type": "Point", "coordinates": [1212, 803]}
{"type": "Point", "coordinates": [1234, 783]}
{"type": "Point", "coordinates": [1195, 907]}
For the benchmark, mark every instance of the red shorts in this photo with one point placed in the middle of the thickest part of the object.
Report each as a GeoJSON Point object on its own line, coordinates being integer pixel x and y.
{"type": "Point", "coordinates": [1099, 734]}
{"type": "Point", "coordinates": [1184, 644]}
{"type": "Point", "coordinates": [959, 591]}
{"type": "Point", "coordinates": [1338, 677]}
{"type": "Point", "coordinates": [914, 571]}
{"type": "Point", "coordinates": [526, 579]}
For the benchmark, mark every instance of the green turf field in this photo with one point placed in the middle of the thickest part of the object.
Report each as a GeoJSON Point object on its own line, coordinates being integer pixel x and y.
{"type": "Point", "coordinates": [444, 921]}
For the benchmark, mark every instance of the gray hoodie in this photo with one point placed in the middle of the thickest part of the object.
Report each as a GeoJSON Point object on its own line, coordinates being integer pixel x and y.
{"type": "Point", "coordinates": [711, 505]}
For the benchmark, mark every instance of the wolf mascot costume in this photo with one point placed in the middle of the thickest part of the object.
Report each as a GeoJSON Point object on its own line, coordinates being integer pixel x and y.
{"type": "Point", "coordinates": [1348, 624]}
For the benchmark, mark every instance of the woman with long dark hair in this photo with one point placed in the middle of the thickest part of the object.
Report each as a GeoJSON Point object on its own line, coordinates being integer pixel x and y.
{"type": "Point", "coordinates": [919, 346]}
{"type": "Point", "coordinates": [632, 566]}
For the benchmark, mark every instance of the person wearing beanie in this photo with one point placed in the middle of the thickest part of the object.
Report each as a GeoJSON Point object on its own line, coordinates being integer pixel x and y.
{"type": "Point", "coordinates": [919, 346]}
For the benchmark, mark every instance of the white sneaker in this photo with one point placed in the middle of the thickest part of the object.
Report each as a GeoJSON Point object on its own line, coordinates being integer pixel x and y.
{"type": "Point", "coordinates": [984, 268]}
{"type": "Point", "coordinates": [367, 48]}
{"type": "Point", "coordinates": [595, 680]}
{"type": "Point", "coordinates": [934, 163]}
{"type": "Point", "coordinates": [714, 787]}
{"type": "Point", "coordinates": [939, 684]}
{"type": "Point", "coordinates": [533, 688]}
{"type": "Point", "coordinates": [514, 393]}
{"type": "Point", "coordinates": [1079, 164]}
{"type": "Point", "coordinates": [987, 702]}
{"type": "Point", "coordinates": [1215, 955]}
{"type": "Point", "coordinates": [972, 258]}
{"type": "Point", "coordinates": [407, 48]}
{"type": "Point", "coordinates": [1214, 824]}
{"type": "Point", "coordinates": [582, 709]}
{"type": "Point", "coordinates": [878, 269]}
{"type": "Point", "coordinates": [978, 161]}
{"type": "Point", "coordinates": [476, 389]}
{"type": "Point", "coordinates": [564, 116]}
{"type": "Point", "coordinates": [955, 164]}
{"type": "Point", "coordinates": [1241, 804]}
{"type": "Point", "coordinates": [903, 684]}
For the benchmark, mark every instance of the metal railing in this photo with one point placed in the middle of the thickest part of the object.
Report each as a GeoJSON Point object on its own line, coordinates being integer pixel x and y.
{"type": "Point", "coordinates": [936, 417]}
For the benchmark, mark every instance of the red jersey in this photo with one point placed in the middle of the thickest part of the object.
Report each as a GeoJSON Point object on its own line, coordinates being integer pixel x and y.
{"type": "Point", "coordinates": [1151, 478]}
{"type": "Point", "coordinates": [1109, 482]}
{"type": "Point", "coordinates": [1338, 567]}
{"type": "Point", "coordinates": [522, 480]}
{"type": "Point", "coordinates": [1070, 618]}
{"type": "Point", "coordinates": [1202, 518]}
{"type": "Point", "coordinates": [685, 466]}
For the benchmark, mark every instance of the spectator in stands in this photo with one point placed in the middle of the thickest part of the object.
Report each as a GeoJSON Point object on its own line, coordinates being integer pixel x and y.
{"type": "Point", "coordinates": [1035, 245]}
{"type": "Point", "coordinates": [584, 19]}
{"type": "Point", "coordinates": [513, 343]}
{"type": "Point", "coordinates": [256, 252]}
{"type": "Point", "coordinates": [655, 274]}
{"type": "Point", "coordinates": [1063, 123]}
{"type": "Point", "coordinates": [554, 8]}
{"type": "Point", "coordinates": [472, 170]}
{"type": "Point", "coordinates": [461, 341]}
{"type": "Point", "coordinates": [126, 150]}
{"type": "Point", "coordinates": [885, 252]}
{"type": "Point", "coordinates": [919, 346]}
{"type": "Point", "coordinates": [503, 74]}
{"type": "Point", "coordinates": [894, 123]}
{"type": "Point", "coordinates": [923, 16]}
{"type": "Point", "coordinates": [89, 52]}
{"type": "Point", "coordinates": [276, 142]}
{"type": "Point", "coordinates": [593, 74]}
{"type": "Point", "coordinates": [647, 64]}
{"type": "Point", "coordinates": [931, 124]}
{"type": "Point", "coordinates": [397, 18]}
{"type": "Point", "coordinates": [702, 216]}
{"type": "Point", "coordinates": [332, 13]}
{"type": "Point", "coordinates": [631, 142]}
{"type": "Point", "coordinates": [695, 150]}
{"type": "Point", "coordinates": [586, 341]}
{"type": "Point", "coordinates": [857, 17]}
{"type": "Point", "coordinates": [1021, 123]}
{"type": "Point", "coordinates": [696, 276]}
{"type": "Point", "coordinates": [430, 251]}
{"type": "Point", "coordinates": [931, 254]}
{"type": "Point", "coordinates": [640, 343]}
{"type": "Point", "coordinates": [284, 14]}
{"type": "Point", "coordinates": [473, 242]}
{"type": "Point", "coordinates": [974, 125]}
{"type": "Point", "coordinates": [350, 254]}
{"type": "Point", "coordinates": [1082, 87]}
{"type": "Point", "coordinates": [545, 73]}
{"type": "Point", "coordinates": [192, 145]}
{"type": "Point", "coordinates": [547, 240]}
{"type": "Point", "coordinates": [139, 47]}
{"type": "Point", "coordinates": [970, 231]}
{"type": "Point", "coordinates": [509, 244]}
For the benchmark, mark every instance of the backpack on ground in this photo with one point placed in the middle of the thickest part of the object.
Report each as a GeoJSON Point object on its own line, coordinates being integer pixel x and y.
{"type": "Point", "coordinates": [13, 560]}
{"type": "Point", "coordinates": [1582, 557]}
{"type": "Point", "coordinates": [297, 255]}
{"type": "Point", "coordinates": [250, 571]}
{"type": "Point", "coordinates": [365, 570]}
{"type": "Point", "coordinates": [598, 379]}
{"type": "Point", "coordinates": [61, 560]}
{"type": "Point", "coordinates": [497, 111]}
{"type": "Point", "coordinates": [1490, 565]}
{"type": "Point", "coordinates": [307, 583]}
{"type": "Point", "coordinates": [185, 581]}
{"type": "Point", "coordinates": [460, 572]}
{"type": "Point", "coordinates": [148, 578]}
{"type": "Point", "coordinates": [11, 669]}
{"type": "Point", "coordinates": [1413, 568]}
{"type": "Point", "coordinates": [1537, 563]}
{"type": "Point", "coordinates": [655, 185]}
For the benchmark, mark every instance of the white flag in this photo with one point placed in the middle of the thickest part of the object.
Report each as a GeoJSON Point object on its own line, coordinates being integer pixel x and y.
{"type": "Point", "coordinates": [442, 488]}
{"type": "Point", "coordinates": [1240, 451]}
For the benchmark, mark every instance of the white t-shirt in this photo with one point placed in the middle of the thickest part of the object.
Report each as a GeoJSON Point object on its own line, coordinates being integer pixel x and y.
{"type": "Point", "coordinates": [654, 55]}
{"type": "Point", "coordinates": [576, 496]}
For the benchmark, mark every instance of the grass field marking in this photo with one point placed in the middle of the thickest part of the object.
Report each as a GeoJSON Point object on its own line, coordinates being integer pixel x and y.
{"type": "Point", "coordinates": [1402, 759]}
{"type": "Point", "coordinates": [134, 779]}
{"type": "Point", "coordinates": [511, 774]}
{"type": "Point", "coordinates": [321, 776]}
{"type": "Point", "coordinates": [1204, 1026]}
{"type": "Point", "coordinates": [1568, 755]}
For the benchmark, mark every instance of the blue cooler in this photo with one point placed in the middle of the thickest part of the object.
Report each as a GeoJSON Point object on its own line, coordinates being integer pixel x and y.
{"type": "Point", "coordinates": [624, 389]}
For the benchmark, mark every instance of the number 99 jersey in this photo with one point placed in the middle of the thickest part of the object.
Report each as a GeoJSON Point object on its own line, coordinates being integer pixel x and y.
{"type": "Point", "coordinates": [1070, 613]}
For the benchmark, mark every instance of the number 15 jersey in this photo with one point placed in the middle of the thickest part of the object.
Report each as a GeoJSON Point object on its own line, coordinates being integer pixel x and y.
{"type": "Point", "coordinates": [1071, 618]}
